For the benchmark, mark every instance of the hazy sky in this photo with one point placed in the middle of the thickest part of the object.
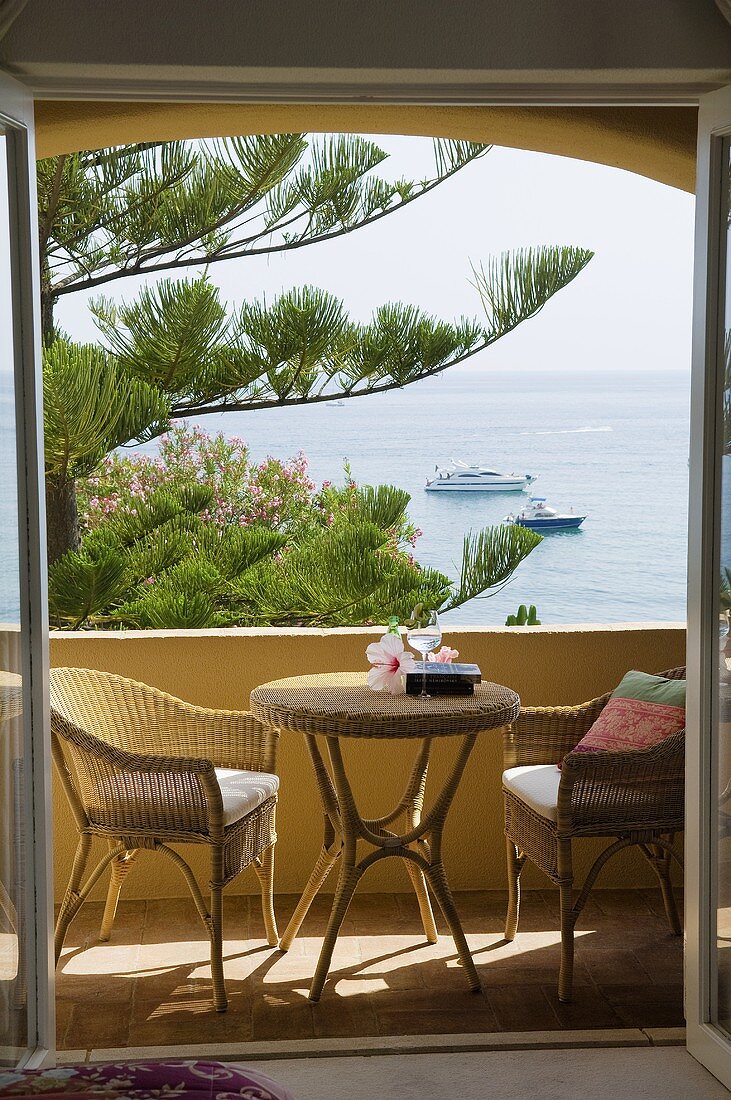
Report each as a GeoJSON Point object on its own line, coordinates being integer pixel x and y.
{"type": "Point", "coordinates": [630, 307]}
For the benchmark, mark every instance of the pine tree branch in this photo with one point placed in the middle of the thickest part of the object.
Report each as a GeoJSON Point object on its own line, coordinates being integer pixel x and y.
{"type": "Point", "coordinates": [181, 411]}
{"type": "Point", "coordinates": [142, 267]}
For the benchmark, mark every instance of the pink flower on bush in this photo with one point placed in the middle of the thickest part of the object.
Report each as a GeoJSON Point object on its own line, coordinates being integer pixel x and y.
{"type": "Point", "coordinates": [445, 656]}
{"type": "Point", "coordinates": [391, 661]}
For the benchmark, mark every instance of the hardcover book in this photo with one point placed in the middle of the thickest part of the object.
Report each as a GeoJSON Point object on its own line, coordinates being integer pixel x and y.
{"type": "Point", "coordinates": [444, 679]}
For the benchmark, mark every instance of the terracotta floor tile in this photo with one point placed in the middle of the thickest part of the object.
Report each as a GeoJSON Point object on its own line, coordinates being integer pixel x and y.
{"type": "Point", "coordinates": [492, 975]}
{"type": "Point", "coordinates": [643, 1006]}
{"type": "Point", "coordinates": [151, 984]}
{"type": "Point", "coordinates": [102, 973]}
{"type": "Point", "coordinates": [588, 1009]}
{"type": "Point", "coordinates": [191, 1022]}
{"type": "Point", "coordinates": [433, 1012]}
{"type": "Point", "coordinates": [612, 967]}
{"type": "Point", "coordinates": [521, 1008]}
{"type": "Point", "coordinates": [63, 1018]}
{"type": "Point", "coordinates": [437, 1023]}
{"type": "Point", "coordinates": [398, 972]}
{"type": "Point", "coordinates": [105, 1021]}
{"type": "Point", "coordinates": [622, 903]}
{"type": "Point", "coordinates": [275, 1017]}
{"type": "Point", "coordinates": [336, 1016]}
{"type": "Point", "coordinates": [127, 928]}
{"type": "Point", "coordinates": [653, 899]}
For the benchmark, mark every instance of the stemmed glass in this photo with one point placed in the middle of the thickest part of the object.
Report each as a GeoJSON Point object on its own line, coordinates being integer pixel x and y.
{"type": "Point", "coordinates": [425, 636]}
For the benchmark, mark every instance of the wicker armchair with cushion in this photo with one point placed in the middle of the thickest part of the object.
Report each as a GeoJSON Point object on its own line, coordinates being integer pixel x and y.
{"type": "Point", "coordinates": [142, 769]}
{"type": "Point", "coordinates": [634, 796]}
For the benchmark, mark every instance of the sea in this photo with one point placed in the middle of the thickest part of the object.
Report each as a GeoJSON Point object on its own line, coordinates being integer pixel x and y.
{"type": "Point", "coordinates": [611, 444]}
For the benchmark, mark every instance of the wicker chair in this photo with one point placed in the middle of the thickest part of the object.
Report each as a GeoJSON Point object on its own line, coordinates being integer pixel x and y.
{"type": "Point", "coordinates": [636, 797]}
{"type": "Point", "coordinates": [142, 769]}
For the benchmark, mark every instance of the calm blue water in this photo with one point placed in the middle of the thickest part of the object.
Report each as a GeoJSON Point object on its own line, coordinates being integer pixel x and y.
{"type": "Point", "coordinates": [613, 444]}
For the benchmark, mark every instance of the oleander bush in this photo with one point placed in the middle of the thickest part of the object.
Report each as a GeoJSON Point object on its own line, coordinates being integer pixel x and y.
{"type": "Point", "coordinates": [197, 535]}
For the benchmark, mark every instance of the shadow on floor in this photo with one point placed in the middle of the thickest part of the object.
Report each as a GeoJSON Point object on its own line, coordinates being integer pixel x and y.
{"type": "Point", "coordinates": [150, 985]}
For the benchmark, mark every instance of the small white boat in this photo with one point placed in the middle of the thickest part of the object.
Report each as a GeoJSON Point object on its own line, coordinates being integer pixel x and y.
{"type": "Point", "coordinates": [334, 404]}
{"type": "Point", "coordinates": [539, 516]}
{"type": "Point", "coordinates": [461, 478]}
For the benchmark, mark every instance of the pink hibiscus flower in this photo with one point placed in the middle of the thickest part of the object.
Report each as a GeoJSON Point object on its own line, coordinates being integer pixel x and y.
{"type": "Point", "coordinates": [391, 661]}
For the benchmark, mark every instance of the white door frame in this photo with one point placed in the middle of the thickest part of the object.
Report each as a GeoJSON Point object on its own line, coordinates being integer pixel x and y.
{"type": "Point", "coordinates": [703, 1041]}
{"type": "Point", "coordinates": [16, 113]}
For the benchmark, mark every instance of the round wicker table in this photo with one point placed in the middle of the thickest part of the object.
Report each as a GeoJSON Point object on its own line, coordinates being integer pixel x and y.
{"type": "Point", "coordinates": [335, 705]}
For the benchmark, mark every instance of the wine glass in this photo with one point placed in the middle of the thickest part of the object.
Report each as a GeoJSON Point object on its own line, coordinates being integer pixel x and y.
{"type": "Point", "coordinates": [425, 636]}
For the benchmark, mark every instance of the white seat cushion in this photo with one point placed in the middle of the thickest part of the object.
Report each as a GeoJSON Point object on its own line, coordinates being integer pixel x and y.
{"type": "Point", "coordinates": [536, 785]}
{"type": "Point", "coordinates": [243, 791]}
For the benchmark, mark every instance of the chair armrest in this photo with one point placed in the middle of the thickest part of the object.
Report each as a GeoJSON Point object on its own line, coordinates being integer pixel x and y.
{"type": "Point", "coordinates": [543, 735]}
{"type": "Point", "coordinates": [142, 793]}
{"type": "Point", "coordinates": [229, 738]}
{"type": "Point", "coordinates": [640, 789]}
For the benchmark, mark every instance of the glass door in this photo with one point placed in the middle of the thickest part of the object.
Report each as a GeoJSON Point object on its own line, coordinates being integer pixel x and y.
{"type": "Point", "coordinates": [26, 976]}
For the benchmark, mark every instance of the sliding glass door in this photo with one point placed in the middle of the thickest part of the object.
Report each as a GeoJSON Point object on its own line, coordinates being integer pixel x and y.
{"type": "Point", "coordinates": [26, 1007]}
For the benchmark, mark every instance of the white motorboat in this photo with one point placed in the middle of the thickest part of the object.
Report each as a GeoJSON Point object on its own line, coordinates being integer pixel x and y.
{"type": "Point", "coordinates": [461, 478]}
{"type": "Point", "coordinates": [539, 516]}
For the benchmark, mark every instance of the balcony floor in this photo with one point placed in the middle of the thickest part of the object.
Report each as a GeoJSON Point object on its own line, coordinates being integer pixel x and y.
{"type": "Point", "coordinates": [150, 985]}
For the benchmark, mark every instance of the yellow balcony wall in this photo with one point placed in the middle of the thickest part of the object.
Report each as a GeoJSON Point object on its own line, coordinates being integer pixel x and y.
{"type": "Point", "coordinates": [218, 668]}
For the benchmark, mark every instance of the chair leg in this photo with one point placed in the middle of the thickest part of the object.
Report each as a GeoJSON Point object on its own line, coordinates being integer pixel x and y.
{"type": "Point", "coordinates": [120, 868]}
{"type": "Point", "coordinates": [264, 867]}
{"type": "Point", "coordinates": [661, 864]}
{"type": "Point", "coordinates": [71, 899]}
{"type": "Point", "coordinates": [220, 1000]}
{"type": "Point", "coordinates": [568, 920]}
{"type": "Point", "coordinates": [516, 862]}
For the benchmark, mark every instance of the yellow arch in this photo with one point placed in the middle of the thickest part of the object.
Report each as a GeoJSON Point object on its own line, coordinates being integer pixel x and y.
{"type": "Point", "coordinates": [657, 142]}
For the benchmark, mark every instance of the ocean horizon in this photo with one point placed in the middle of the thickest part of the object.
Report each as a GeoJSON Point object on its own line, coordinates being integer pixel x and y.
{"type": "Point", "coordinates": [611, 443]}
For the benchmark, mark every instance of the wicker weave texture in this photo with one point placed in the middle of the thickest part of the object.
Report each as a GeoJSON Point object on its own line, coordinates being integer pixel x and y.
{"type": "Point", "coordinates": [634, 797]}
{"type": "Point", "coordinates": [138, 768]}
{"type": "Point", "coordinates": [341, 704]}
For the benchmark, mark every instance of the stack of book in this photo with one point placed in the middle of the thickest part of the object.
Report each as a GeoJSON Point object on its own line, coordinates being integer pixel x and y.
{"type": "Point", "coordinates": [449, 679]}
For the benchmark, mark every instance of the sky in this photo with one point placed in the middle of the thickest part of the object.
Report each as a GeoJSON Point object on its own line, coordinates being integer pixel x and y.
{"type": "Point", "coordinates": [630, 308]}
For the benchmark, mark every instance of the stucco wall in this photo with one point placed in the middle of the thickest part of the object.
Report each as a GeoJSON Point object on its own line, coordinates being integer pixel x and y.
{"type": "Point", "coordinates": [545, 665]}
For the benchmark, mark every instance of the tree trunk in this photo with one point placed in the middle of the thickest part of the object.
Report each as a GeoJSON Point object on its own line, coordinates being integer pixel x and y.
{"type": "Point", "coordinates": [61, 517]}
{"type": "Point", "coordinates": [46, 318]}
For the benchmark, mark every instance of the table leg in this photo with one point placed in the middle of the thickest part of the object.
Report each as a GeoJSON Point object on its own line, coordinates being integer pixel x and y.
{"type": "Point", "coordinates": [412, 804]}
{"type": "Point", "coordinates": [347, 882]}
{"type": "Point", "coordinates": [325, 863]}
{"type": "Point", "coordinates": [427, 915]}
{"type": "Point", "coordinates": [415, 804]}
{"type": "Point", "coordinates": [331, 844]}
{"type": "Point", "coordinates": [344, 828]}
{"type": "Point", "coordinates": [438, 882]}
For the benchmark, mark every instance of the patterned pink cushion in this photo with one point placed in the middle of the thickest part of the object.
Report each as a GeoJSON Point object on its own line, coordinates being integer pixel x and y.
{"type": "Point", "coordinates": [642, 712]}
{"type": "Point", "coordinates": [627, 724]}
{"type": "Point", "coordinates": [142, 1081]}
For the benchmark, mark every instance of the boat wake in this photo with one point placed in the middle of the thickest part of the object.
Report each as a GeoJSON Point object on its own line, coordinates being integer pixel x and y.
{"type": "Point", "coordinates": [568, 431]}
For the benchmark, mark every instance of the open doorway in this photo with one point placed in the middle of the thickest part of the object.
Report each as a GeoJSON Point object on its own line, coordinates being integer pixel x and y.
{"type": "Point", "coordinates": [384, 979]}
